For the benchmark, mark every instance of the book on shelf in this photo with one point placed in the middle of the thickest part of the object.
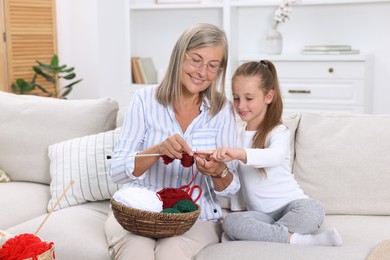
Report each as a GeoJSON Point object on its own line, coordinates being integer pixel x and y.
{"type": "Point", "coordinates": [148, 70]}
{"type": "Point", "coordinates": [143, 70]}
{"type": "Point", "coordinates": [335, 52]}
{"type": "Point", "coordinates": [327, 48]}
{"type": "Point", "coordinates": [136, 71]}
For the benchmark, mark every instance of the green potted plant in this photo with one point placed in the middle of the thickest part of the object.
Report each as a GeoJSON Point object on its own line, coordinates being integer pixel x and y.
{"type": "Point", "coordinates": [52, 73]}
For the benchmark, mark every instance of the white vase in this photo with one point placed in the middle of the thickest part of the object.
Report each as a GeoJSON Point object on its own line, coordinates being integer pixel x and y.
{"type": "Point", "coordinates": [274, 41]}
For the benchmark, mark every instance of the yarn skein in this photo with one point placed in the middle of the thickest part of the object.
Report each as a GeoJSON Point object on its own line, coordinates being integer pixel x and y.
{"type": "Point", "coordinates": [187, 161]}
{"type": "Point", "coordinates": [24, 246]}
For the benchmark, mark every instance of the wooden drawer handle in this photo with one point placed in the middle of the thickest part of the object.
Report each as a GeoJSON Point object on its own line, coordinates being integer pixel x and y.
{"type": "Point", "coordinates": [295, 91]}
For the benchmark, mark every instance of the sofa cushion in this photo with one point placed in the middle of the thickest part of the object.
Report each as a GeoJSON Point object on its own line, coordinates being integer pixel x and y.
{"type": "Point", "coordinates": [83, 159]}
{"type": "Point", "coordinates": [121, 115]}
{"type": "Point", "coordinates": [29, 124]}
{"type": "Point", "coordinates": [77, 232]}
{"type": "Point", "coordinates": [343, 161]}
{"type": "Point", "coordinates": [374, 228]}
{"type": "Point", "coordinates": [17, 197]}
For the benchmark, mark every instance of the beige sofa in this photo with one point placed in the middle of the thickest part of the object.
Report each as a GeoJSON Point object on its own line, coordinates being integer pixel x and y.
{"type": "Point", "coordinates": [29, 125]}
{"type": "Point", "coordinates": [341, 160]}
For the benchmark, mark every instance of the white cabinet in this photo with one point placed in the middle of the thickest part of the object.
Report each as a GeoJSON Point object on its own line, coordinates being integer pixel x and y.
{"type": "Point", "coordinates": [309, 83]}
{"type": "Point", "coordinates": [341, 83]}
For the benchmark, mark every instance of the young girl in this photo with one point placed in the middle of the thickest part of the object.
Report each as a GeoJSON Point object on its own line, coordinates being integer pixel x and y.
{"type": "Point", "coordinates": [278, 209]}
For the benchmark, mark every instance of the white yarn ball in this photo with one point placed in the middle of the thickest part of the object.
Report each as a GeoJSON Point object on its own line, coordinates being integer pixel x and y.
{"type": "Point", "coordinates": [139, 198]}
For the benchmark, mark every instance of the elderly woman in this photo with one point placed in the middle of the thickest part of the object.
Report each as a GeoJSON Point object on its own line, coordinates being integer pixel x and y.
{"type": "Point", "coordinates": [187, 112]}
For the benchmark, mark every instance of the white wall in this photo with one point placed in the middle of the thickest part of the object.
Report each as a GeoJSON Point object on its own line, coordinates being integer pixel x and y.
{"type": "Point", "coordinates": [92, 37]}
{"type": "Point", "coordinates": [77, 43]}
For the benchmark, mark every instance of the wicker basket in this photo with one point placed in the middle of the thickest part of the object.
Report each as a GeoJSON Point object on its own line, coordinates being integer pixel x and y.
{"type": "Point", "coordinates": [48, 255]}
{"type": "Point", "coordinates": [153, 224]}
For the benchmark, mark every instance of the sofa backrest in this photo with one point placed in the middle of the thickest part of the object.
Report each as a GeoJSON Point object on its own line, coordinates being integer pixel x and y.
{"type": "Point", "coordinates": [29, 124]}
{"type": "Point", "coordinates": [343, 161]}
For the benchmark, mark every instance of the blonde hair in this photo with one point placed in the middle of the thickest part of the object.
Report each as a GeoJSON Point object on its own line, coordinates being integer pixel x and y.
{"type": "Point", "coordinates": [268, 80]}
{"type": "Point", "coordinates": [195, 37]}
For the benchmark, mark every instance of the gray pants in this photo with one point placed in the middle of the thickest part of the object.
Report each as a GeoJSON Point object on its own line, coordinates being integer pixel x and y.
{"type": "Point", "coordinates": [303, 216]}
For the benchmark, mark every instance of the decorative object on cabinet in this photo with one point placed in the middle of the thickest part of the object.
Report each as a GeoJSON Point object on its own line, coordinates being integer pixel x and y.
{"type": "Point", "coordinates": [274, 39]}
{"type": "Point", "coordinates": [329, 49]}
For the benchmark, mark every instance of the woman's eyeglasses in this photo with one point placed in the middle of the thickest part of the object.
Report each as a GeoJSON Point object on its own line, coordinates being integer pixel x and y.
{"type": "Point", "coordinates": [197, 62]}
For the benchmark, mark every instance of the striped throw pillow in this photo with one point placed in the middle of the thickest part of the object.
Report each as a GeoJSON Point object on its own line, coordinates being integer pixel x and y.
{"type": "Point", "coordinates": [83, 160]}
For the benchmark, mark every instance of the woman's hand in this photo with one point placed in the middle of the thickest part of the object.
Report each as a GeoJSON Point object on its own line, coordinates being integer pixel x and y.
{"type": "Point", "coordinates": [207, 165]}
{"type": "Point", "coordinates": [210, 167]}
{"type": "Point", "coordinates": [173, 147]}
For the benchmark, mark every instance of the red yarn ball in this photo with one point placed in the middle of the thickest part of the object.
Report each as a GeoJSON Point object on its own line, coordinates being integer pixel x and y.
{"type": "Point", "coordinates": [171, 196]}
{"type": "Point", "coordinates": [24, 246]}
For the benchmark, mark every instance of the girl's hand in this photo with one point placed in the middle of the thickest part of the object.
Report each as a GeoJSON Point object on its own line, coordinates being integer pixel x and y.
{"type": "Point", "coordinates": [173, 147]}
{"type": "Point", "coordinates": [227, 154]}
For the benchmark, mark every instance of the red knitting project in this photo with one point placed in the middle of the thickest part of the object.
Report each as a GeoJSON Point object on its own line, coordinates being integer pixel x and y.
{"type": "Point", "coordinates": [24, 246]}
{"type": "Point", "coordinates": [170, 196]}
{"type": "Point", "coordinates": [186, 161]}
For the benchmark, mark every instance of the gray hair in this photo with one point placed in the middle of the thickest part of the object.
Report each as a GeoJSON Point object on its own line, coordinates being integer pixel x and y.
{"type": "Point", "coordinates": [195, 37]}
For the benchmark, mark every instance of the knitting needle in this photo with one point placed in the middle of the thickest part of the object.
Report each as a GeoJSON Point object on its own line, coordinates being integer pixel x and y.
{"type": "Point", "coordinates": [55, 205]}
{"type": "Point", "coordinates": [135, 155]}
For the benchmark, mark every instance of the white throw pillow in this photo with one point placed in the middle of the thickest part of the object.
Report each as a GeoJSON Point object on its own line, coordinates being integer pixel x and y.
{"type": "Point", "coordinates": [29, 124]}
{"type": "Point", "coordinates": [292, 121]}
{"type": "Point", "coordinates": [85, 161]}
{"type": "Point", "coordinates": [343, 161]}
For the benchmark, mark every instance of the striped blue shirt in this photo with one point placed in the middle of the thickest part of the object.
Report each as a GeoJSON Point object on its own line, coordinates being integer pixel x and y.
{"type": "Point", "coordinates": [148, 123]}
